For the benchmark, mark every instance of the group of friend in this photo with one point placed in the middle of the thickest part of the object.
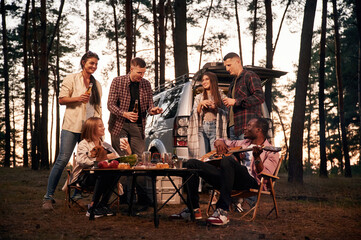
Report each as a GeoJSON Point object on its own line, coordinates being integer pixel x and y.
{"type": "Point", "coordinates": [214, 117]}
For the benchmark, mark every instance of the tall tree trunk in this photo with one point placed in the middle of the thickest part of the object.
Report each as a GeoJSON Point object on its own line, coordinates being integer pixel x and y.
{"type": "Point", "coordinates": [56, 27]}
{"type": "Point", "coordinates": [269, 50]}
{"type": "Point", "coordinates": [283, 130]}
{"type": "Point", "coordinates": [204, 34]}
{"type": "Point", "coordinates": [321, 93]}
{"type": "Point", "coordinates": [358, 16]}
{"type": "Point", "coordinates": [35, 138]}
{"type": "Point", "coordinates": [254, 30]}
{"type": "Point", "coordinates": [112, 3]}
{"type": "Point", "coordinates": [309, 120]}
{"type": "Point", "coordinates": [136, 13]}
{"type": "Point", "coordinates": [162, 45]}
{"type": "Point", "coordinates": [87, 25]}
{"type": "Point", "coordinates": [13, 132]}
{"type": "Point", "coordinates": [6, 83]}
{"type": "Point", "coordinates": [128, 32]}
{"type": "Point", "coordinates": [340, 93]}
{"type": "Point", "coordinates": [44, 89]}
{"type": "Point", "coordinates": [295, 172]}
{"type": "Point", "coordinates": [52, 116]}
{"type": "Point", "coordinates": [26, 86]}
{"type": "Point", "coordinates": [180, 38]}
{"type": "Point", "coordinates": [340, 144]}
{"type": "Point", "coordinates": [281, 24]}
{"type": "Point", "coordinates": [156, 50]}
{"type": "Point", "coordinates": [238, 30]}
{"type": "Point", "coordinates": [57, 132]}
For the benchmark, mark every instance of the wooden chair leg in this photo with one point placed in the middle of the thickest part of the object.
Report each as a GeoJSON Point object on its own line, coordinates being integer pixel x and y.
{"type": "Point", "coordinates": [255, 207]}
{"type": "Point", "coordinates": [273, 193]}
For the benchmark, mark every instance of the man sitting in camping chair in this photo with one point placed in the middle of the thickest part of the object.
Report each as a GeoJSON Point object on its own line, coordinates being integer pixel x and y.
{"type": "Point", "coordinates": [231, 174]}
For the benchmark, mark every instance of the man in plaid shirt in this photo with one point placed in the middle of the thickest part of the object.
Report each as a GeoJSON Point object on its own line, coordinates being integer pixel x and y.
{"type": "Point", "coordinates": [245, 96]}
{"type": "Point", "coordinates": [126, 119]}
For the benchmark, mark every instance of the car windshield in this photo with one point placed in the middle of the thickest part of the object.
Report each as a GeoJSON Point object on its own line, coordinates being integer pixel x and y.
{"type": "Point", "coordinates": [170, 102]}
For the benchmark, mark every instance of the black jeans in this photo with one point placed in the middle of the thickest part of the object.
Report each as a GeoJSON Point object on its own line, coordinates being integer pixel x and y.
{"type": "Point", "coordinates": [230, 175]}
{"type": "Point", "coordinates": [103, 186]}
{"type": "Point", "coordinates": [137, 143]}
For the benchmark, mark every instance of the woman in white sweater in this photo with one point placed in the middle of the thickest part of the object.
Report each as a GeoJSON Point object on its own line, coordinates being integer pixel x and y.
{"type": "Point", "coordinates": [92, 133]}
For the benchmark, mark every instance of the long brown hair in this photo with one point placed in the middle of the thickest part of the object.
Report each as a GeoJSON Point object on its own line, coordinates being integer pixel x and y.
{"type": "Point", "coordinates": [214, 88]}
{"type": "Point", "coordinates": [89, 128]}
{"type": "Point", "coordinates": [95, 97]}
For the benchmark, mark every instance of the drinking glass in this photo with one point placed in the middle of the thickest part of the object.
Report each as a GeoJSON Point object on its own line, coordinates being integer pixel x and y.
{"type": "Point", "coordinates": [146, 158]}
{"type": "Point", "coordinates": [167, 158]}
{"type": "Point", "coordinates": [156, 158]}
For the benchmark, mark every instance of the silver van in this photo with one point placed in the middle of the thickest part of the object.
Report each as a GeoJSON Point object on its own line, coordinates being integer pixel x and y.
{"type": "Point", "coordinates": [167, 132]}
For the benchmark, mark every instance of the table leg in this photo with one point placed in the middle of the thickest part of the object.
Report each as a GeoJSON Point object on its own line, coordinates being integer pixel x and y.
{"type": "Point", "coordinates": [155, 213]}
{"type": "Point", "coordinates": [132, 193]}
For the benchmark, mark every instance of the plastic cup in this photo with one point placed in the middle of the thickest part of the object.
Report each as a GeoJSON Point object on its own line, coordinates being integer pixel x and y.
{"type": "Point", "coordinates": [123, 139]}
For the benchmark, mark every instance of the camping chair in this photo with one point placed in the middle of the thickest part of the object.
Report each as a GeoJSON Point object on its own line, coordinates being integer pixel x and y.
{"type": "Point", "coordinates": [69, 187]}
{"type": "Point", "coordinates": [254, 192]}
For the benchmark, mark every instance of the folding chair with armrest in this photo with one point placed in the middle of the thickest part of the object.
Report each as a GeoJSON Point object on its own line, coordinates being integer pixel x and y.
{"type": "Point", "coordinates": [255, 192]}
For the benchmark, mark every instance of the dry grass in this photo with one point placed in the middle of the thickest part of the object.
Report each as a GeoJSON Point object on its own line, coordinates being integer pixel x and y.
{"type": "Point", "coordinates": [318, 209]}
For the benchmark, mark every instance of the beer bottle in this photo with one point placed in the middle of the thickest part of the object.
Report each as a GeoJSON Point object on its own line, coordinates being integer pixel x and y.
{"type": "Point", "coordinates": [135, 109]}
{"type": "Point", "coordinates": [88, 91]}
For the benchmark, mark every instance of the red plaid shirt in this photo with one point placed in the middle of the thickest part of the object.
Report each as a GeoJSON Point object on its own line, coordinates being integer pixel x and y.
{"type": "Point", "coordinates": [119, 101]}
{"type": "Point", "coordinates": [249, 97]}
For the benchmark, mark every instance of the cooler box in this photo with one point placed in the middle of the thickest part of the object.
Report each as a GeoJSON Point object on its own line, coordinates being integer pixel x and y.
{"type": "Point", "coordinates": [165, 189]}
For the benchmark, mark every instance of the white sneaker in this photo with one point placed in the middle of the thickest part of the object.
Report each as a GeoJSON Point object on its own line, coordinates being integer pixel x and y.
{"type": "Point", "coordinates": [219, 217]}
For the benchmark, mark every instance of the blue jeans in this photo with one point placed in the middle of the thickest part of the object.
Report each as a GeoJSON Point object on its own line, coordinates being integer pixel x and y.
{"type": "Point", "coordinates": [68, 140]}
{"type": "Point", "coordinates": [233, 136]}
{"type": "Point", "coordinates": [207, 136]}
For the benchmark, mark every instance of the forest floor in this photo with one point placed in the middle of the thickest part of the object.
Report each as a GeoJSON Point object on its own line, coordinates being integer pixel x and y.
{"type": "Point", "coordinates": [318, 209]}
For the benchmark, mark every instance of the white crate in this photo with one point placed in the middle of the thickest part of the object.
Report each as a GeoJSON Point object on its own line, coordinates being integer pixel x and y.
{"type": "Point", "coordinates": [165, 189]}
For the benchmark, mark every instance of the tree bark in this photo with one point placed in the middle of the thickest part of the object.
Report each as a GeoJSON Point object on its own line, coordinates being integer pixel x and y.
{"type": "Point", "coordinates": [87, 25]}
{"type": "Point", "coordinates": [52, 115]}
{"type": "Point", "coordinates": [6, 83]}
{"type": "Point", "coordinates": [340, 93]}
{"type": "Point", "coordinates": [358, 16]}
{"type": "Point", "coordinates": [283, 130]}
{"type": "Point", "coordinates": [128, 32]}
{"type": "Point", "coordinates": [156, 50]}
{"type": "Point", "coordinates": [269, 55]}
{"type": "Point", "coordinates": [162, 45]}
{"type": "Point", "coordinates": [238, 30]}
{"type": "Point", "coordinates": [295, 172]}
{"type": "Point", "coordinates": [13, 132]}
{"type": "Point", "coordinates": [112, 3]}
{"type": "Point", "coordinates": [57, 88]}
{"type": "Point", "coordinates": [35, 138]}
{"type": "Point", "coordinates": [254, 30]}
{"type": "Point", "coordinates": [309, 120]}
{"type": "Point", "coordinates": [204, 34]}
{"type": "Point", "coordinates": [56, 27]}
{"type": "Point", "coordinates": [281, 24]}
{"type": "Point", "coordinates": [321, 93]}
{"type": "Point", "coordinates": [136, 13]}
{"type": "Point", "coordinates": [26, 86]}
{"type": "Point", "coordinates": [180, 38]}
{"type": "Point", "coordinates": [44, 90]}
